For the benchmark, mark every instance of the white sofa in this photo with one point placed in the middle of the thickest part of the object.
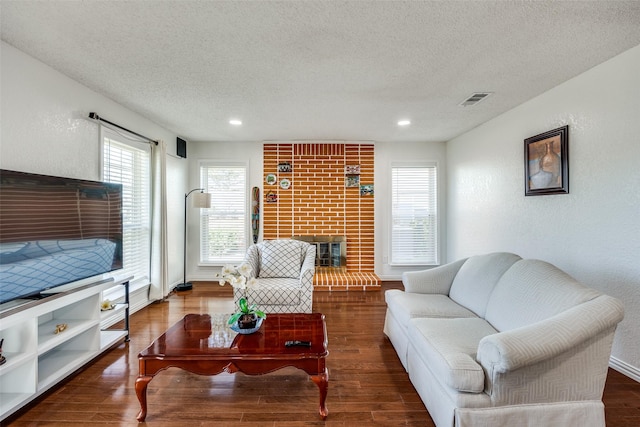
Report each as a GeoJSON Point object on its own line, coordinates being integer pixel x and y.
{"type": "Point", "coordinates": [496, 340]}
{"type": "Point", "coordinates": [284, 269]}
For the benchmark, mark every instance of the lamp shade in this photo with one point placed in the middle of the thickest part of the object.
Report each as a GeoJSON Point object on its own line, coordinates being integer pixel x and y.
{"type": "Point", "coordinates": [201, 200]}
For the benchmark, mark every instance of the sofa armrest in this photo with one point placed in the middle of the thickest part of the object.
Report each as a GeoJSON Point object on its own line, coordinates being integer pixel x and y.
{"type": "Point", "coordinates": [308, 268]}
{"type": "Point", "coordinates": [436, 280]}
{"type": "Point", "coordinates": [514, 349]}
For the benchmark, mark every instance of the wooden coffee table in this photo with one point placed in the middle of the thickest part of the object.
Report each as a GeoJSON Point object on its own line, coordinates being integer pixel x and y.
{"type": "Point", "coordinates": [204, 344]}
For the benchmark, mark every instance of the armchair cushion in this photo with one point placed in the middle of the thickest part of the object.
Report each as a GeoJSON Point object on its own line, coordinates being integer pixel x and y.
{"type": "Point", "coordinates": [281, 258]}
{"type": "Point", "coordinates": [276, 291]}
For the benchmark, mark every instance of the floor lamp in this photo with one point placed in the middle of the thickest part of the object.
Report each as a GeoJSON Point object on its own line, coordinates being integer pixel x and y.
{"type": "Point", "coordinates": [200, 200]}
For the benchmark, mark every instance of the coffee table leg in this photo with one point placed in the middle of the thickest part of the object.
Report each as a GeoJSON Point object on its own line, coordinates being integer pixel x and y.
{"type": "Point", "coordinates": [141, 392]}
{"type": "Point", "coordinates": [322, 381]}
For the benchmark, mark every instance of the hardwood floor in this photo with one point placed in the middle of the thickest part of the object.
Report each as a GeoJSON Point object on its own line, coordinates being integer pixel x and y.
{"type": "Point", "coordinates": [367, 384]}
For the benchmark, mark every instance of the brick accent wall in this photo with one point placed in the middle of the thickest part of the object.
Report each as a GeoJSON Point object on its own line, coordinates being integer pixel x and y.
{"type": "Point", "coordinates": [318, 202]}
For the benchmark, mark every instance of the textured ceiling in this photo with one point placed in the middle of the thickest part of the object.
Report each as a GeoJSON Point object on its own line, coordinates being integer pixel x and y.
{"type": "Point", "coordinates": [327, 70]}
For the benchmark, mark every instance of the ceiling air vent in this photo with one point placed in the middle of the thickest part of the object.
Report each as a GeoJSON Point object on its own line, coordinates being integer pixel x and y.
{"type": "Point", "coordinates": [475, 98]}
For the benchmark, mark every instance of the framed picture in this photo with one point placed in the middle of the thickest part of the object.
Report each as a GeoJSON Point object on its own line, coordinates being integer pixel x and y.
{"type": "Point", "coordinates": [353, 180]}
{"type": "Point", "coordinates": [271, 197]}
{"type": "Point", "coordinates": [546, 163]}
{"type": "Point", "coordinates": [352, 170]}
{"type": "Point", "coordinates": [366, 189]}
{"type": "Point", "coordinates": [284, 167]}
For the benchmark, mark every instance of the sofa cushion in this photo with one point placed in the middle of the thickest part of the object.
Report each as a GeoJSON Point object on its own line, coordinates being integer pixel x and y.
{"type": "Point", "coordinates": [477, 277]}
{"type": "Point", "coordinates": [405, 306]}
{"type": "Point", "coordinates": [281, 258]}
{"type": "Point", "coordinates": [531, 291]}
{"type": "Point", "coordinates": [449, 346]}
{"type": "Point", "coordinates": [435, 280]}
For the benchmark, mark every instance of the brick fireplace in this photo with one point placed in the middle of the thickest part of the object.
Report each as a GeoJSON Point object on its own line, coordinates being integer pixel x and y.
{"type": "Point", "coordinates": [323, 190]}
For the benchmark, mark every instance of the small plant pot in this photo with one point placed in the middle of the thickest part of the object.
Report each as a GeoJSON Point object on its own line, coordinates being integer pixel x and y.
{"type": "Point", "coordinates": [247, 321]}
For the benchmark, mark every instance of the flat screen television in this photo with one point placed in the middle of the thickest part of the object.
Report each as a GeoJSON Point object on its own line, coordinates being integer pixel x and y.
{"type": "Point", "coordinates": [55, 231]}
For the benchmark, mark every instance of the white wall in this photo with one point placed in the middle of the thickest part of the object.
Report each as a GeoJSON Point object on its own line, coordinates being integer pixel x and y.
{"type": "Point", "coordinates": [593, 233]}
{"type": "Point", "coordinates": [249, 152]}
{"type": "Point", "coordinates": [44, 129]}
{"type": "Point", "coordinates": [386, 154]}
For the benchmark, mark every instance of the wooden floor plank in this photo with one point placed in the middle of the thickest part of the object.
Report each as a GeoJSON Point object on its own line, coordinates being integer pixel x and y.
{"type": "Point", "coordinates": [367, 383]}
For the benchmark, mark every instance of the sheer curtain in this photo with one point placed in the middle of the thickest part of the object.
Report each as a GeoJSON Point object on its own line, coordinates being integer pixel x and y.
{"type": "Point", "coordinates": [159, 245]}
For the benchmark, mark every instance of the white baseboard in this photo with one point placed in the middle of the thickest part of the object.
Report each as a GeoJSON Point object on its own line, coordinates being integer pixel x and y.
{"type": "Point", "coordinates": [387, 278]}
{"type": "Point", "coordinates": [624, 368]}
{"type": "Point", "coordinates": [209, 278]}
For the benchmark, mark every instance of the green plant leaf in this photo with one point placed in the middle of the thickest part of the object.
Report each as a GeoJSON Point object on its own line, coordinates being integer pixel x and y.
{"type": "Point", "coordinates": [234, 318]}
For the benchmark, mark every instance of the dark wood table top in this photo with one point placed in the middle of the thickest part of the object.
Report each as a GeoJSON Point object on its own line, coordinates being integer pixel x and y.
{"type": "Point", "coordinates": [204, 344]}
{"type": "Point", "coordinates": [208, 336]}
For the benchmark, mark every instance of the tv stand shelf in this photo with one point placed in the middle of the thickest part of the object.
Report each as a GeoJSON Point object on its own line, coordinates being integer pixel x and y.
{"type": "Point", "coordinates": [38, 358]}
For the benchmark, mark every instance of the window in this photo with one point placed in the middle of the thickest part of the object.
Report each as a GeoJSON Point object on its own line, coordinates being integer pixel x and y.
{"type": "Point", "coordinates": [128, 163]}
{"type": "Point", "coordinates": [414, 215]}
{"type": "Point", "coordinates": [223, 226]}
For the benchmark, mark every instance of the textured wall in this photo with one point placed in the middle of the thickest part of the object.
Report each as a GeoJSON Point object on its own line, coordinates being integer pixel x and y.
{"type": "Point", "coordinates": [404, 154]}
{"type": "Point", "coordinates": [247, 153]}
{"type": "Point", "coordinates": [593, 233]}
{"type": "Point", "coordinates": [386, 154]}
{"type": "Point", "coordinates": [45, 130]}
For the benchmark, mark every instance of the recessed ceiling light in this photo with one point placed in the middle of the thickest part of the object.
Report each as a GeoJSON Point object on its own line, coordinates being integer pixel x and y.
{"type": "Point", "coordinates": [404, 122]}
{"type": "Point", "coordinates": [235, 122]}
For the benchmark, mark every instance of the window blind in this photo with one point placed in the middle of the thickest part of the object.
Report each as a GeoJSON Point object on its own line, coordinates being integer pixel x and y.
{"type": "Point", "coordinates": [128, 163]}
{"type": "Point", "coordinates": [223, 226]}
{"type": "Point", "coordinates": [414, 216]}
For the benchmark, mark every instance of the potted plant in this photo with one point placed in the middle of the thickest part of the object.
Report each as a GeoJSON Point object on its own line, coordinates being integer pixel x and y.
{"type": "Point", "coordinates": [248, 315]}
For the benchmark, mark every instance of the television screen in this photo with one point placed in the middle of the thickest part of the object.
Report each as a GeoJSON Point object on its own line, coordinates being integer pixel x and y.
{"type": "Point", "coordinates": [55, 231]}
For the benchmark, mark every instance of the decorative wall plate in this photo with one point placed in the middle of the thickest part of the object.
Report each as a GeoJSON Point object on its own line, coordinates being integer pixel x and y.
{"type": "Point", "coordinates": [285, 184]}
{"type": "Point", "coordinates": [271, 179]}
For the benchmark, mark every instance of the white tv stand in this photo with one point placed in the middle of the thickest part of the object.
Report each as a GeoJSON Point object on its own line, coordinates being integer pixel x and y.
{"type": "Point", "coordinates": [37, 358]}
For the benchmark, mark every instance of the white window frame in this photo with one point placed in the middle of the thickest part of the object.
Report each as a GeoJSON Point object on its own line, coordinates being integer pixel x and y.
{"type": "Point", "coordinates": [137, 256]}
{"type": "Point", "coordinates": [433, 207]}
{"type": "Point", "coordinates": [218, 199]}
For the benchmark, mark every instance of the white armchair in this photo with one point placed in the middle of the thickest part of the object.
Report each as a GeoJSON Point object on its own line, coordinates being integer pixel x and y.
{"type": "Point", "coordinates": [284, 269]}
